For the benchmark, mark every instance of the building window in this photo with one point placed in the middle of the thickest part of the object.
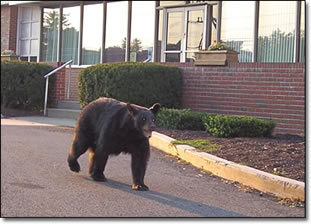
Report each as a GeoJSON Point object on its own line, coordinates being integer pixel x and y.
{"type": "Point", "coordinates": [195, 32]}
{"type": "Point", "coordinates": [276, 32]}
{"type": "Point", "coordinates": [116, 31]}
{"type": "Point", "coordinates": [160, 30]}
{"type": "Point", "coordinates": [29, 32]}
{"type": "Point", "coordinates": [237, 27]}
{"type": "Point", "coordinates": [302, 34]}
{"type": "Point", "coordinates": [214, 23]}
{"type": "Point", "coordinates": [70, 34]}
{"type": "Point", "coordinates": [50, 29]}
{"type": "Point", "coordinates": [142, 32]}
{"type": "Point", "coordinates": [92, 34]}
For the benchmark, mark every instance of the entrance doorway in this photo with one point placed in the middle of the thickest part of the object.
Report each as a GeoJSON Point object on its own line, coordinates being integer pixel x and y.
{"type": "Point", "coordinates": [184, 33]}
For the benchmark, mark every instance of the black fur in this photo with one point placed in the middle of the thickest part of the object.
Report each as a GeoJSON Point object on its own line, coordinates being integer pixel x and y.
{"type": "Point", "coordinates": [107, 126]}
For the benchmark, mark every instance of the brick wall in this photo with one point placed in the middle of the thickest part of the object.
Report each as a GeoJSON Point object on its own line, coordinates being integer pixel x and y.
{"type": "Point", "coordinates": [263, 90]}
{"type": "Point", "coordinates": [8, 27]}
{"type": "Point", "coordinates": [73, 83]}
{"type": "Point", "coordinates": [13, 28]}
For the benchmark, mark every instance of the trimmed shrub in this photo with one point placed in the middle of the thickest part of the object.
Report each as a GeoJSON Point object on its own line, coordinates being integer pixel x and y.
{"type": "Point", "coordinates": [180, 119]}
{"type": "Point", "coordinates": [238, 126]}
{"type": "Point", "coordinates": [23, 84]}
{"type": "Point", "coordinates": [139, 83]}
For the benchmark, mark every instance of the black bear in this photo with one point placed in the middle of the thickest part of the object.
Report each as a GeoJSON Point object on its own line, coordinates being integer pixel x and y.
{"type": "Point", "coordinates": [107, 126]}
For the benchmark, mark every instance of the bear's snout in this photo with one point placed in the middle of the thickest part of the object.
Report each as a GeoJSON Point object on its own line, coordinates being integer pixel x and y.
{"type": "Point", "coordinates": [148, 129]}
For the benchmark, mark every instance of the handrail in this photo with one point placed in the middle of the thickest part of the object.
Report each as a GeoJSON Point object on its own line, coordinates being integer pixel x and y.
{"type": "Point", "coordinates": [58, 68]}
{"type": "Point", "coordinates": [47, 83]}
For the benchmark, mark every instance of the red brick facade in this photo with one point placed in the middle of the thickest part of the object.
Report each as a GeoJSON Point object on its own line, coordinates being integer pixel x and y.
{"type": "Point", "coordinates": [263, 90]}
{"type": "Point", "coordinates": [8, 27]}
{"type": "Point", "coordinates": [73, 83]}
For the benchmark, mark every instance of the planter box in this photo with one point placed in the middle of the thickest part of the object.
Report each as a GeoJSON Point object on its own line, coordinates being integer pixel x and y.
{"type": "Point", "coordinates": [9, 58]}
{"type": "Point", "coordinates": [221, 57]}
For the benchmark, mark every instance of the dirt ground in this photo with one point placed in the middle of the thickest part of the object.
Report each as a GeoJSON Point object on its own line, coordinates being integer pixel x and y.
{"type": "Point", "coordinates": [283, 155]}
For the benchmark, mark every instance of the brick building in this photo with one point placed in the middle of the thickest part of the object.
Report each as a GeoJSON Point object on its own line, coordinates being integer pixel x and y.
{"type": "Point", "coordinates": [268, 81]}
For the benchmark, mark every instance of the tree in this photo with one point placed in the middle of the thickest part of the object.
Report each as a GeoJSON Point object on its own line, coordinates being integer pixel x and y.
{"type": "Point", "coordinates": [136, 45]}
{"type": "Point", "coordinates": [51, 20]}
{"type": "Point", "coordinates": [277, 47]}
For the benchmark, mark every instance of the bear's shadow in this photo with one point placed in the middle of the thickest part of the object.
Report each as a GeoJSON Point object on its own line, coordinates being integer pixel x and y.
{"type": "Point", "coordinates": [172, 201]}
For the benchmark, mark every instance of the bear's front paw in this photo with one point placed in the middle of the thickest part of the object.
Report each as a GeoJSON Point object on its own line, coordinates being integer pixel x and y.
{"type": "Point", "coordinates": [138, 187]}
{"type": "Point", "coordinates": [74, 165]}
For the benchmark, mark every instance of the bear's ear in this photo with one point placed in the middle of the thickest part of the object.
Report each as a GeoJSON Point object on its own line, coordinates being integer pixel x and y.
{"type": "Point", "coordinates": [155, 108]}
{"type": "Point", "coordinates": [132, 110]}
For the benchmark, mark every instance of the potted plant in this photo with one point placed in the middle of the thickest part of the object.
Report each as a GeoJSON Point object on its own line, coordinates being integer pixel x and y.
{"type": "Point", "coordinates": [8, 55]}
{"type": "Point", "coordinates": [217, 54]}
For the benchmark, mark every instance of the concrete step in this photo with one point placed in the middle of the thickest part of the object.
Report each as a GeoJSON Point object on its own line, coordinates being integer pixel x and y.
{"type": "Point", "coordinates": [63, 113]}
{"type": "Point", "coordinates": [66, 104]}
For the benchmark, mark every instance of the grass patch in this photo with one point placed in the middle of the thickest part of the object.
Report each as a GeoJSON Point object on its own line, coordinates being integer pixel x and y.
{"type": "Point", "coordinates": [200, 144]}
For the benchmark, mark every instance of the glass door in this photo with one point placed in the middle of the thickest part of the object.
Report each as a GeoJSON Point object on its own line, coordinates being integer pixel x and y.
{"type": "Point", "coordinates": [195, 33]}
{"type": "Point", "coordinates": [184, 33]}
{"type": "Point", "coordinates": [174, 37]}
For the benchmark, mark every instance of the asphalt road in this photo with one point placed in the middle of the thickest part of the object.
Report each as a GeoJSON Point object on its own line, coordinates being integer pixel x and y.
{"type": "Point", "coordinates": [36, 182]}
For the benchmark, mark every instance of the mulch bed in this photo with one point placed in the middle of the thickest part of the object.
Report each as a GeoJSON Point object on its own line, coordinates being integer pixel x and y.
{"type": "Point", "coordinates": [283, 155]}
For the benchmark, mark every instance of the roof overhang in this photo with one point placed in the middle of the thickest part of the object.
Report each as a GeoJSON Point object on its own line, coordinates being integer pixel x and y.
{"type": "Point", "coordinates": [47, 3]}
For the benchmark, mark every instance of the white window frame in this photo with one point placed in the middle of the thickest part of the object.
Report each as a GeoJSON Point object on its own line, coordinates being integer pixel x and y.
{"type": "Point", "coordinates": [183, 50]}
{"type": "Point", "coordinates": [30, 38]}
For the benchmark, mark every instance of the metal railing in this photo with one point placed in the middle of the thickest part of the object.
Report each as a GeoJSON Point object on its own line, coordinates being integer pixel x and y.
{"type": "Point", "coordinates": [47, 82]}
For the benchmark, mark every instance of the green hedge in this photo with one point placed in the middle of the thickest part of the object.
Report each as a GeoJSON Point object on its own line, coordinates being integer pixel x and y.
{"type": "Point", "coordinates": [180, 119]}
{"type": "Point", "coordinates": [238, 126]}
{"type": "Point", "coordinates": [23, 85]}
{"type": "Point", "coordinates": [139, 83]}
{"type": "Point", "coordinates": [216, 125]}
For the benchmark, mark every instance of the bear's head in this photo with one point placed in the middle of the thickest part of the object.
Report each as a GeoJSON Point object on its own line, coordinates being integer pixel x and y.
{"type": "Point", "coordinates": [144, 118]}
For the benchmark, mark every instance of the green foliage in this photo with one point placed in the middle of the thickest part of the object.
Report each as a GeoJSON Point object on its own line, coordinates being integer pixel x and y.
{"type": "Point", "coordinates": [139, 83]}
{"type": "Point", "coordinates": [181, 119]}
{"type": "Point", "coordinates": [238, 126]}
{"type": "Point", "coordinates": [216, 125]}
{"type": "Point", "coordinates": [219, 46]}
{"type": "Point", "coordinates": [200, 144]}
{"type": "Point", "coordinates": [23, 84]}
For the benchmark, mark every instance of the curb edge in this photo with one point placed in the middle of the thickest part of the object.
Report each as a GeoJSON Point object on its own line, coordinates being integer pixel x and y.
{"type": "Point", "coordinates": [268, 183]}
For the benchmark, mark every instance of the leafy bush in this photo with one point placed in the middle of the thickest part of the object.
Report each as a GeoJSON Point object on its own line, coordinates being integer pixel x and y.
{"type": "Point", "coordinates": [238, 126]}
{"type": "Point", "coordinates": [139, 83]}
{"type": "Point", "coordinates": [216, 46]}
{"type": "Point", "coordinates": [181, 119]}
{"type": "Point", "coordinates": [216, 125]}
{"type": "Point", "coordinates": [23, 84]}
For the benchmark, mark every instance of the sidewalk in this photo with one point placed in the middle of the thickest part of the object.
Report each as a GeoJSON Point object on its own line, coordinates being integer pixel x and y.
{"type": "Point", "coordinates": [47, 120]}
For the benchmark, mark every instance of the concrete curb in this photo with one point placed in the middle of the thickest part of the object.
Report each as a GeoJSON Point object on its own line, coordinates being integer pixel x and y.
{"type": "Point", "coordinates": [279, 186]}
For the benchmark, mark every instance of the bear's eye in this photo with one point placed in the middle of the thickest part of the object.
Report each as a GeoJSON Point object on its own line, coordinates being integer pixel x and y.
{"type": "Point", "coordinates": [144, 119]}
